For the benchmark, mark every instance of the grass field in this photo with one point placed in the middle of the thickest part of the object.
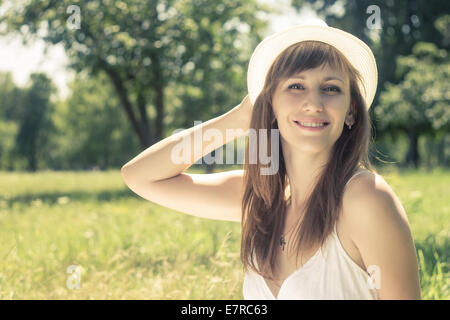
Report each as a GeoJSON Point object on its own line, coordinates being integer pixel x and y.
{"type": "Point", "coordinates": [128, 248]}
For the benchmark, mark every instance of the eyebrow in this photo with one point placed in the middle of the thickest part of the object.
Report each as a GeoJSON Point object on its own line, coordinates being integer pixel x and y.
{"type": "Point", "coordinates": [326, 79]}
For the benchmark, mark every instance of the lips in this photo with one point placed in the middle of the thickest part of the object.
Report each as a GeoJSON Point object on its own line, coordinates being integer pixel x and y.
{"type": "Point", "coordinates": [311, 128]}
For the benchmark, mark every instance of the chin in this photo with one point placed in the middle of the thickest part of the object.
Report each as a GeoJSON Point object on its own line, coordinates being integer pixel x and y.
{"type": "Point", "coordinates": [310, 146]}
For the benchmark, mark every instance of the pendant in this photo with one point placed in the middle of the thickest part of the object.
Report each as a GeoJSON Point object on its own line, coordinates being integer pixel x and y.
{"type": "Point", "coordinates": [282, 242]}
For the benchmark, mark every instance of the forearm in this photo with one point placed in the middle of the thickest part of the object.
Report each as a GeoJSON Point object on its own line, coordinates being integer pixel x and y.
{"type": "Point", "coordinates": [159, 161]}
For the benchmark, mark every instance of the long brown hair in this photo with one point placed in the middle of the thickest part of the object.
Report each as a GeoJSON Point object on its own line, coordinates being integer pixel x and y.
{"type": "Point", "coordinates": [266, 196]}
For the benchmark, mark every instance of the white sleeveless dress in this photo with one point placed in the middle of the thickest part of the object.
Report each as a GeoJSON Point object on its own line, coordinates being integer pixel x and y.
{"type": "Point", "coordinates": [330, 274]}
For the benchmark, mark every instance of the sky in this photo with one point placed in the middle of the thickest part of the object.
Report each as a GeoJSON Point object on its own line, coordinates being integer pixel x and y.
{"type": "Point", "coordinates": [23, 60]}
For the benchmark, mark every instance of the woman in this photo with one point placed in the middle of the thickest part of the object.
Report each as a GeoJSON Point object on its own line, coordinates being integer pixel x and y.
{"type": "Point", "coordinates": [324, 205]}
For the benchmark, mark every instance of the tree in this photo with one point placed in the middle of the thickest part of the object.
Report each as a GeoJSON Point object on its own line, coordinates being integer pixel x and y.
{"type": "Point", "coordinates": [89, 132]}
{"type": "Point", "coordinates": [35, 123]}
{"type": "Point", "coordinates": [419, 104]}
{"type": "Point", "coordinates": [143, 46]}
{"type": "Point", "coordinates": [11, 111]}
{"type": "Point", "coordinates": [11, 96]}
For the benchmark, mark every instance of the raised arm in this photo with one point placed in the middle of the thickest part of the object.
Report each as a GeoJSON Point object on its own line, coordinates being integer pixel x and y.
{"type": "Point", "coordinates": [155, 175]}
{"type": "Point", "coordinates": [155, 163]}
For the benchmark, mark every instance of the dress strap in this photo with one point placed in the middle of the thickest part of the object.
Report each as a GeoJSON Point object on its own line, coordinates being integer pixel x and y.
{"type": "Point", "coordinates": [360, 171]}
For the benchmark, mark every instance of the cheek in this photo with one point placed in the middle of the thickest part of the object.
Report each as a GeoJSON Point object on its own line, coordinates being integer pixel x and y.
{"type": "Point", "coordinates": [340, 101]}
{"type": "Point", "coordinates": [292, 98]}
{"type": "Point", "coordinates": [338, 120]}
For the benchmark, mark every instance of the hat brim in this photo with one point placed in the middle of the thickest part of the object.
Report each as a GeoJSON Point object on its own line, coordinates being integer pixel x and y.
{"type": "Point", "coordinates": [355, 50]}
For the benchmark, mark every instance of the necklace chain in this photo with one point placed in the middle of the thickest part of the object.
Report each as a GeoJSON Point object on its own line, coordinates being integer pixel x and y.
{"type": "Point", "coordinates": [283, 236]}
{"type": "Point", "coordinates": [283, 239]}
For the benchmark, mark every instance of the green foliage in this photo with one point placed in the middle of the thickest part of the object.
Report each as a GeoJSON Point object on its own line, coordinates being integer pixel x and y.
{"type": "Point", "coordinates": [89, 130]}
{"type": "Point", "coordinates": [11, 97]}
{"type": "Point", "coordinates": [34, 123]}
{"type": "Point", "coordinates": [8, 132]}
{"type": "Point", "coordinates": [11, 111]}
{"type": "Point", "coordinates": [420, 102]}
{"type": "Point", "coordinates": [129, 248]}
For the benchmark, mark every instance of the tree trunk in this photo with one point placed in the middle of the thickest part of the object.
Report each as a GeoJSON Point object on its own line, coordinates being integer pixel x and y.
{"type": "Point", "coordinates": [159, 98]}
{"type": "Point", "coordinates": [32, 161]}
{"type": "Point", "coordinates": [209, 168]}
{"type": "Point", "coordinates": [412, 157]}
{"type": "Point", "coordinates": [144, 138]}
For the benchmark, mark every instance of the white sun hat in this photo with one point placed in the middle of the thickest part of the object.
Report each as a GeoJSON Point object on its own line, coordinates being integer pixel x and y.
{"type": "Point", "coordinates": [355, 50]}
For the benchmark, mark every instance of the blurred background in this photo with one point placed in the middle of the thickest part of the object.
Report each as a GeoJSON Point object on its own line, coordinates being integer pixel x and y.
{"type": "Point", "coordinates": [85, 86]}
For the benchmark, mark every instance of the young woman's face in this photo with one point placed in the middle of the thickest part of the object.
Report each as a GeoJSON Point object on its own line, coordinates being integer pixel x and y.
{"type": "Point", "coordinates": [321, 94]}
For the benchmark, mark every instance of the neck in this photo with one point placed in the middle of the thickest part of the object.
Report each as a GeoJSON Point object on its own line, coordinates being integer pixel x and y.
{"type": "Point", "coordinates": [303, 168]}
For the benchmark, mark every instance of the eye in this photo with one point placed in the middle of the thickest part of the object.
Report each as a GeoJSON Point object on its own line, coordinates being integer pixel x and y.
{"type": "Point", "coordinates": [329, 89]}
{"type": "Point", "coordinates": [295, 85]}
{"type": "Point", "coordinates": [333, 89]}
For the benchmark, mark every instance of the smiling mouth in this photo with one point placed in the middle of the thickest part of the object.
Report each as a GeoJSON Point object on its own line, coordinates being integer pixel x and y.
{"type": "Point", "coordinates": [312, 125]}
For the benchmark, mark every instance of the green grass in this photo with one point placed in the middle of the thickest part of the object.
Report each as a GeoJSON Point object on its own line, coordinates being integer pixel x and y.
{"type": "Point", "coordinates": [129, 248]}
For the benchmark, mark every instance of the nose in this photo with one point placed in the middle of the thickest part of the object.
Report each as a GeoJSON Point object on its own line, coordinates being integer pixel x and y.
{"type": "Point", "coordinates": [313, 101]}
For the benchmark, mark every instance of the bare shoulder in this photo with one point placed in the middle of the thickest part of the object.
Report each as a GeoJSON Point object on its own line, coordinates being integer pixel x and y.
{"type": "Point", "coordinates": [377, 224]}
{"type": "Point", "coordinates": [370, 190]}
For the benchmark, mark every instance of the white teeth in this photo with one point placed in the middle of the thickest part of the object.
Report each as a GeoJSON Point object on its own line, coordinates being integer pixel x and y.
{"type": "Point", "coordinates": [306, 124]}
